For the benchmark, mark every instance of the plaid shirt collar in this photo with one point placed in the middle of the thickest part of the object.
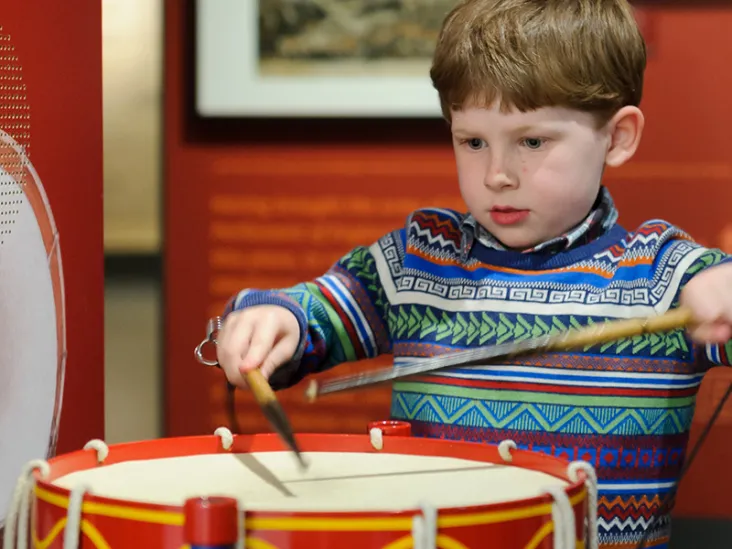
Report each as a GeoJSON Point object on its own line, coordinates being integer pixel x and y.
{"type": "Point", "coordinates": [602, 217]}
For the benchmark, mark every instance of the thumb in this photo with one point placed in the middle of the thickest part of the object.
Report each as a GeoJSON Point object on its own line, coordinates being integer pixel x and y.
{"type": "Point", "coordinates": [281, 353]}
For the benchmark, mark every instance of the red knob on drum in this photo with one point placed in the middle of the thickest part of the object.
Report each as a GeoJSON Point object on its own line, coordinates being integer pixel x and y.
{"type": "Point", "coordinates": [392, 428]}
{"type": "Point", "coordinates": [211, 522]}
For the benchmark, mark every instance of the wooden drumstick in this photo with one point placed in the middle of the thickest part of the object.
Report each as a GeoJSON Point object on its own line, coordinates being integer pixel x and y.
{"type": "Point", "coordinates": [571, 339]}
{"type": "Point", "coordinates": [605, 332]}
{"type": "Point", "coordinates": [272, 410]}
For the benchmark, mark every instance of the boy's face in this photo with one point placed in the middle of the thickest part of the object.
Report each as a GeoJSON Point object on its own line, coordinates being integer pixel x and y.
{"type": "Point", "coordinates": [528, 177]}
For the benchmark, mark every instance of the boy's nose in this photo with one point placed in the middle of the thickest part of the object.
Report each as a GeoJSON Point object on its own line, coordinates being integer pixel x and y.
{"type": "Point", "coordinates": [498, 178]}
{"type": "Point", "coordinates": [499, 174]}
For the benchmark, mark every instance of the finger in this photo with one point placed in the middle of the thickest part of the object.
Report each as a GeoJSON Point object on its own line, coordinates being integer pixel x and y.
{"type": "Point", "coordinates": [711, 333]}
{"type": "Point", "coordinates": [231, 325]}
{"type": "Point", "coordinates": [707, 310]}
{"type": "Point", "coordinates": [726, 307]}
{"type": "Point", "coordinates": [723, 333]}
{"type": "Point", "coordinates": [262, 342]}
{"type": "Point", "coordinates": [711, 320]}
{"type": "Point", "coordinates": [234, 341]}
{"type": "Point", "coordinates": [280, 354]}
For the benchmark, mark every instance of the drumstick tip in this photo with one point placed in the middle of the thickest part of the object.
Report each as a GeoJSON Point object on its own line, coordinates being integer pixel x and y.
{"type": "Point", "coordinates": [277, 418]}
{"type": "Point", "coordinates": [304, 464]}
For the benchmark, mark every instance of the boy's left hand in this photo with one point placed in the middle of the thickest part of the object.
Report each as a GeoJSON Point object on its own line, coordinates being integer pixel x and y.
{"type": "Point", "coordinates": [709, 296]}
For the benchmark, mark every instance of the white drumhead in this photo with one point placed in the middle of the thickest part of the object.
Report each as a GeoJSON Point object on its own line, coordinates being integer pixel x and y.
{"type": "Point", "coordinates": [31, 319]}
{"type": "Point", "coordinates": [272, 481]}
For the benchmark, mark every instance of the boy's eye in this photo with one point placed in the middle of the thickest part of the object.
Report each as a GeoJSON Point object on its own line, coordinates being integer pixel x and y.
{"type": "Point", "coordinates": [475, 143]}
{"type": "Point", "coordinates": [533, 142]}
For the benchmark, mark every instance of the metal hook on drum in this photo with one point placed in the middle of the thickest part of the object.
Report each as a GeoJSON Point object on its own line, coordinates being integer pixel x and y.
{"type": "Point", "coordinates": [212, 329]}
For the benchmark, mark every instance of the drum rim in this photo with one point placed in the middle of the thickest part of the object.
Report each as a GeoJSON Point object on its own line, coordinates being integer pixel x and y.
{"type": "Point", "coordinates": [346, 443]}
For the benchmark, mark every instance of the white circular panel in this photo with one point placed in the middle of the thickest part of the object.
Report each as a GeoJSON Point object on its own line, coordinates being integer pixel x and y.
{"type": "Point", "coordinates": [32, 337]}
{"type": "Point", "coordinates": [273, 481]}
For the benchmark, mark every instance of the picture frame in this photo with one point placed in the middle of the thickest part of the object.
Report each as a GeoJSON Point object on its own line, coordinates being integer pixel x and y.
{"type": "Point", "coordinates": [229, 82]}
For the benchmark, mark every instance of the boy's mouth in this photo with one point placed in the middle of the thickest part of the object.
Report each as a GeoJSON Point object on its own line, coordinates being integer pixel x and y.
{"type": "Point", "coordinates": [506, 215]}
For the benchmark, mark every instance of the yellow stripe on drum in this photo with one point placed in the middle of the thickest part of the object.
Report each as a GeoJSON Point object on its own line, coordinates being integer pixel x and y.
{"type": "Point", "coordinates": [171, 518]}
{"type": "Point", "coordinates": [48, 540]}
{"type": "Point", "coordinates": [402, 523]}
{"type": "Point", "coordinates": [87, 528]}
{"type": "Point", "coordinates": [94, 535]}
{"type": "Point", "coordinates": [540, 536]}
{"type": "Point", "coordinates": [442, 542]}
{"type": "Point", "coordinates": [167, 518]}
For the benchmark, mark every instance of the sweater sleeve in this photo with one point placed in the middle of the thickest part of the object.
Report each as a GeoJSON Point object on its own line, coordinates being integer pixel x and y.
{"type": "Point", "coordinates": [711, 354]}
{"type": "Point", "coordinates": [342, 314]}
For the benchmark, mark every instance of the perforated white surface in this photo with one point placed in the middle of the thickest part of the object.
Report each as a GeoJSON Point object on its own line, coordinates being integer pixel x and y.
{"type": "Point", "coordinates": [15, 121]}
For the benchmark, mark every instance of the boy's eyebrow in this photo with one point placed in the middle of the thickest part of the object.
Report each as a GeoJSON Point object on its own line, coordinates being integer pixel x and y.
{"type": "Point", "coordinates": [463, 131]}
{"type": "Point", "coordinates": [538, 127]}
{"type": "Point", "coordinates": [524, 128]}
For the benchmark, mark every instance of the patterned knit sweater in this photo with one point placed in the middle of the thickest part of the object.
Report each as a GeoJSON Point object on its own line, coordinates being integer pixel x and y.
{"type": "Point", "coordinates": [625, 407]}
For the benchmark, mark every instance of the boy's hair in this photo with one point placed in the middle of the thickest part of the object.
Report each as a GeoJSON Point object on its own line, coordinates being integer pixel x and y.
{"type": "Point", "coordinates": [587, 55]}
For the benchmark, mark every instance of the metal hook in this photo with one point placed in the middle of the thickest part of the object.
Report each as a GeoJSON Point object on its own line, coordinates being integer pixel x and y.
{"type": "Point", "coordinates": [212, 329]}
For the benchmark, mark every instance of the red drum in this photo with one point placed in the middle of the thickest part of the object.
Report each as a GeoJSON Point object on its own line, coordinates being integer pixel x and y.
{"type": "Point", "coordinates": [375, 491]}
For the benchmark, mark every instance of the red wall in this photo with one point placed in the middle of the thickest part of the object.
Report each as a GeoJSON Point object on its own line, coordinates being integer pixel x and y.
{"type": "Point", "coordinates": [232, 219]}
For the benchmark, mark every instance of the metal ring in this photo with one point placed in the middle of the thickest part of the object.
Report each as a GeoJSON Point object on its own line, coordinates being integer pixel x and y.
{"type": "Point", "coordinates": [212, 329]}
{"type": "Point", "coordinates": [201, 358]}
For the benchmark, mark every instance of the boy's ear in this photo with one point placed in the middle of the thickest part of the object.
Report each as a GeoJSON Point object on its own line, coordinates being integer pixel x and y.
{"type": "Point", "coordinates": [625, 130]}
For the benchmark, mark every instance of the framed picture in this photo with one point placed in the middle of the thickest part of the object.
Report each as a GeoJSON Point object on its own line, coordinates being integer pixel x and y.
{"type": "Point", "coordinates": [316, 58]}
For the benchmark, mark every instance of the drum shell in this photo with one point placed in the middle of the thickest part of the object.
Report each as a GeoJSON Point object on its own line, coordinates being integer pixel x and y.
{"type": "Point", "coordinates": [120, 524]}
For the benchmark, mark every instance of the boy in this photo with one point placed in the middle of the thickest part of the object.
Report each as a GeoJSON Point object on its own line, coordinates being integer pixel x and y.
{"type": "Point", "coordinates": [540, 95]}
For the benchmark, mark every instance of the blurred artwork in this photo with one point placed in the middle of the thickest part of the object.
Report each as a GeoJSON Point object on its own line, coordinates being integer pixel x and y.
{"type": "Point", "coordinates": [348, 37]}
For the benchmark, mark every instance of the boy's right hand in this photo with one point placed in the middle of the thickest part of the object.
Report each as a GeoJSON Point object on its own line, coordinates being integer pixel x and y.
{"type": "Point", "coordinates": [263, 336]}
